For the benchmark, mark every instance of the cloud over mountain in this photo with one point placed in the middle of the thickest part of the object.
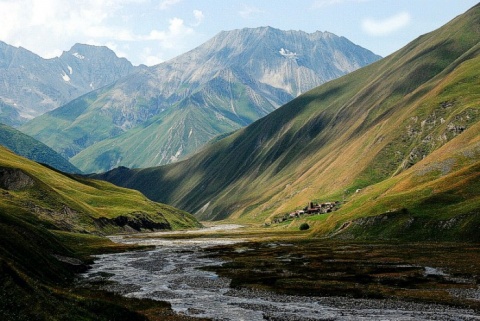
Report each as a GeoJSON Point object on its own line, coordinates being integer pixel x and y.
{"type": "Point", "coordinates": [386, 26]}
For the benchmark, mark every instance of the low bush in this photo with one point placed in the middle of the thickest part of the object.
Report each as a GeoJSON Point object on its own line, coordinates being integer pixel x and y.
{"type": "Point", "coordinates": [304, 226]}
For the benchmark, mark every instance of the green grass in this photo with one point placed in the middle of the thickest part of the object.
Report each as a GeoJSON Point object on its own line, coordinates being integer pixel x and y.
{"type": "Point", "coordinates": [349, 269]}
{"type": "Point", "coordinates": [36, 283]}
{"type": "Point", "coordinates": [73, 203]}
{"type": "Point", "coordinates": [32, 149]}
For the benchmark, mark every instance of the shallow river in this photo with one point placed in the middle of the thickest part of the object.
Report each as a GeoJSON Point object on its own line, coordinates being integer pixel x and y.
{"type": "Point", "coordinates": [170, 273]}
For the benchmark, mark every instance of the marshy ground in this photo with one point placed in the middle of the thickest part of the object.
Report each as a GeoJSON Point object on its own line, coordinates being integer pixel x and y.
{"type": "Point", "coordinates": [235, 274]}
{"type": "Point", "coordinates": [435, 273]}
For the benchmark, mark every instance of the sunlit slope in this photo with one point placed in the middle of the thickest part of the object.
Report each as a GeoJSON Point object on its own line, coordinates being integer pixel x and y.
{"type": "Point", "coordinates": [437, 199]}
{"type": "Point", "coordinates": [75, 204]}
{"type": "Point", "coordinates": [47, 226]}
{"type": "Point", "coordinates": [348, 134]}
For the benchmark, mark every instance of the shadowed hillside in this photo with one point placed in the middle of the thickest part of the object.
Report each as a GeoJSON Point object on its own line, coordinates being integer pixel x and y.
{"type": "Point", "coordinates": [30, 148]}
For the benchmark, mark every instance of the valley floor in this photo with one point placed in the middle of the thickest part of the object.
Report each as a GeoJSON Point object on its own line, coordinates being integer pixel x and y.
{"type": "Point", "coordinates": [232, 273]}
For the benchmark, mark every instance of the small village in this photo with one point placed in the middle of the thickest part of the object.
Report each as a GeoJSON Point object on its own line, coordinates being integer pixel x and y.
{"type": "Point", "coordinates": [310, 209]}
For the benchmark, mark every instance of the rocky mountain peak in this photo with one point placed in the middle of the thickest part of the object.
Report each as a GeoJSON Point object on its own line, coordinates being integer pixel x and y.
{"type": "Point", "coordinates": [31, 85]}
{"type": "Point", "coordinates": [224, 84]}
{"type": "Point", "coordinates": [90, 52]}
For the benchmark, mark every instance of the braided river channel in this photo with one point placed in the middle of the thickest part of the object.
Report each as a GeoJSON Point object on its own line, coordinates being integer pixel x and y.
{"type": "Point", "coordinates": [171, 272]}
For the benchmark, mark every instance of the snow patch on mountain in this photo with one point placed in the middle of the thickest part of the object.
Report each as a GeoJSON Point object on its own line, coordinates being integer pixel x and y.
{"type": "Point", "coordinates": [79, 56]}
{"type": "Point", "coordinates": [65, 77]}
{"type": "Point", "coordinates": [175, 157]}
{"type": "Point", "coordinates": [288, 54]}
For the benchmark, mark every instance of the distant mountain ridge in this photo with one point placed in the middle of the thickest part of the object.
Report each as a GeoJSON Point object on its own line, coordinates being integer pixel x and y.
{"type": "Point", "coordinates": [398, 139]}
{"type": "Point", "coordinates": [31, 85]}
{"type": "Point", "coordinates": [164, 113]}
{"type": "Point", "coordinates": [30, 148]}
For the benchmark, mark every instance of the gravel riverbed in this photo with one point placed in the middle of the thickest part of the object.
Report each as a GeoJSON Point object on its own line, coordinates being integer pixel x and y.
{"type": "Point", "coordinates": [171, 273]}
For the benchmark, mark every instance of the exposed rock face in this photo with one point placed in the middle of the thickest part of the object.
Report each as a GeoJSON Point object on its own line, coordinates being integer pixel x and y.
{"type": "Point", "coordinates": [267, 59]}
{"type": "Point", "coordinates": [31, 85]}
{"type": "Point", "coordinates": [137, 222]}
{"type": "Point", "coordinates": [230, 81]}
{"type": "Point", "coordinates": [14, 179]}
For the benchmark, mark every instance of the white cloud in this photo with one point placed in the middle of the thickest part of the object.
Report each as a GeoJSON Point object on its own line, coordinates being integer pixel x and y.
{"type": "Point", "coordinates": [176, 29]}
{"type": "Point", "coordinates": [165, 4]}
{"type": "Point", "coordinates": [160, 40]}
{"type": "Point", "coordinates": [248, 11]}
{"type": "Point", "coordinates": [386, 26]}
{"type": "Point", "coordinates": [47, 27]}
{"type": "Point", "coordinates": [43, 26]}
{"type": "Point", "coordinates": [199, 17]}
{"type": "Point", "coordinates": [149, 58]}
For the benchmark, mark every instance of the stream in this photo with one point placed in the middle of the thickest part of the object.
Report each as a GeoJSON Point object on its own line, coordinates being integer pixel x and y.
{"type": "Point", "coordinates": [171, 273]}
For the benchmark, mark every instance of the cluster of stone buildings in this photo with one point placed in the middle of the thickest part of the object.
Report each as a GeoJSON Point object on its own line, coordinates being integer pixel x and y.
{"type": "Point", "coordinates": [310, 209]}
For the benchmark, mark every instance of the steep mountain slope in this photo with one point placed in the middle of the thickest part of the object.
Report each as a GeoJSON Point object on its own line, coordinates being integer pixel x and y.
{"type": "Point", "coordinates": [30, 148]}
{"type": "Point", "coordinates": [161, 114]}
{"type": "Point", "coordinates": [31, 85]}
{"type": "Point", "coordinates": [351, 133]}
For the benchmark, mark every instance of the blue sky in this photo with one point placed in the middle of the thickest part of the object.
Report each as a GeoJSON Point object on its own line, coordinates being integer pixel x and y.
{"type": "Point", "coordinates": [152, 31]}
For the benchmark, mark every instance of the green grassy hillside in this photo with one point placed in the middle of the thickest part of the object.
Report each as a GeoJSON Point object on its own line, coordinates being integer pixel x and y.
{"type": "Point", "coordinates": [363, 129]}
{"type": "Point", "coordinates": [72, 203]}
{"type": "Point", "coordinates": [163, 139]}
{"type": "Point", "coordinates": [37, 269]}
{"type": "Point", "coordinates": [30, 148]}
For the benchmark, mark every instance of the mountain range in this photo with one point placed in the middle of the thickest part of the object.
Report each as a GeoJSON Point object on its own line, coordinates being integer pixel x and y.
{"type": "Point", "coordinates": [31, 85]}
{"type": "Point", "coordinates": [397, 140]}
{"type": "Point", "coordinates": [161, 114]}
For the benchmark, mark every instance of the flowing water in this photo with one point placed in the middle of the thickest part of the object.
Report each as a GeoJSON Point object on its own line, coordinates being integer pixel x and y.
{"type": "Point", "coordinates": [171, 273]}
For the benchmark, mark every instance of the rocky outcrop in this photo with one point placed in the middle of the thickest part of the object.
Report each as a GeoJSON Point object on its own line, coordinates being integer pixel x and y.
{"type": "Point", "coordinates": [136, 222]}
{"type": "Point", "coordinates": [14, 179]}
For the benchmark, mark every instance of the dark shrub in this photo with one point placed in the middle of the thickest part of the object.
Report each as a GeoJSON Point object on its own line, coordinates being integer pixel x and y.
{"type": "Point", "coordinates": [304, 226]}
